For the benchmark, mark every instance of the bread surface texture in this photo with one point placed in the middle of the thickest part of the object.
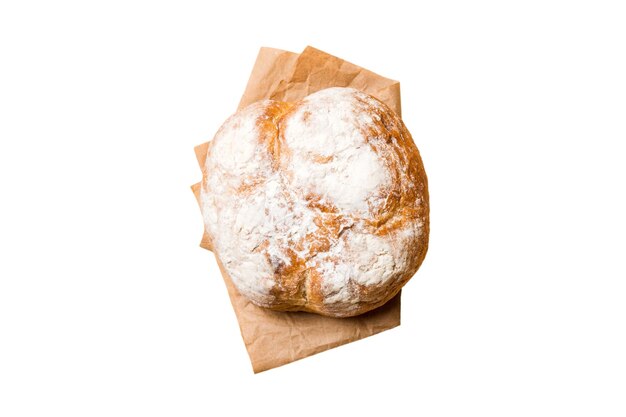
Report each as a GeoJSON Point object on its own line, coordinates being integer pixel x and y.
{"type": "Point", "coordinates": [319, 205]}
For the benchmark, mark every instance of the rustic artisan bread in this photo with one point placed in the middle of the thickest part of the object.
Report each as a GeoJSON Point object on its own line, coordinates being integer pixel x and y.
{"type": "Point", "coordinates": [319, 205]}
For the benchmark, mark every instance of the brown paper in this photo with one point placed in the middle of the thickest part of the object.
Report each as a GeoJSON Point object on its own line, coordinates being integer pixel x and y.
{"type": "Point", "coordinates": [276, 338]}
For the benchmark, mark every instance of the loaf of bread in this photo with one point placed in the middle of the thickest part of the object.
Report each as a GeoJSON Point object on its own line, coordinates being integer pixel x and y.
{"type": "Point", "coordinates": [318, 206]}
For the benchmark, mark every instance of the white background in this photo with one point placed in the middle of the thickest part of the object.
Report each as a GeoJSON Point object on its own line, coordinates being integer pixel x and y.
{"type": "Point", "coordinates": [108, 307]}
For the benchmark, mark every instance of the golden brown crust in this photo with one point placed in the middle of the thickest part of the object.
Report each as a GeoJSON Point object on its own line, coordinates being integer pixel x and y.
{"type": "Point", "coordinates": [400, 218]}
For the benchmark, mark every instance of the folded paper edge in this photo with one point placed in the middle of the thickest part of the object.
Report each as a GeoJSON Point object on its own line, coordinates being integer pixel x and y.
{"type": "Point", "coordinates": [201, 151]}
{"type": "Point", "coordinates": [260, 70]}
{"type": "Point", "coordinates": [261, 366]}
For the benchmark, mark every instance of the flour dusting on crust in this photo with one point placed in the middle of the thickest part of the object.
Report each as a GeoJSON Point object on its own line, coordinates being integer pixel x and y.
{"type": "Point", "coordinates": [318, 206]}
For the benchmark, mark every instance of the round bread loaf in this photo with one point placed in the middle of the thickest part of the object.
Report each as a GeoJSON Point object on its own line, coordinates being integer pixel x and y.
{"type": "Point", "coordinates": [319, 205]}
